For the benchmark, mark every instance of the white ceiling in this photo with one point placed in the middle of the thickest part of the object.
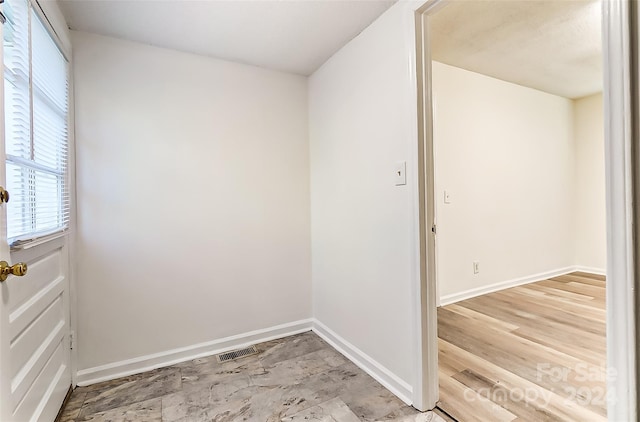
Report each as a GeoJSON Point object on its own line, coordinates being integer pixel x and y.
{"type": "Point", "coordinates": [553, 46]}
{"type": "Point", "coordinates": [295, 36]}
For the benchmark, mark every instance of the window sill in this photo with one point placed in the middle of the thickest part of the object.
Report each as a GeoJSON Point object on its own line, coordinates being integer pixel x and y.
{"type": "Point", "coordinates": [30, 243]}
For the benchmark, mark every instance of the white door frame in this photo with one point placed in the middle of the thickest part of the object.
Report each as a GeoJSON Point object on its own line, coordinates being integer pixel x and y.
{"type": "Point", "coordinates": [425, 389]}
{"type": "Point", "coordinates": [5, 385]}
{"type": "Point", "coordinates": [620, 144]}
{"type": "Point", "coordinates": [620, 165]}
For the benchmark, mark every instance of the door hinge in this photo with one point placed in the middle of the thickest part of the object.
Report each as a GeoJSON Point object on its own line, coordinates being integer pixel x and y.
{"type": "Point", "coordinates": [72, 340]}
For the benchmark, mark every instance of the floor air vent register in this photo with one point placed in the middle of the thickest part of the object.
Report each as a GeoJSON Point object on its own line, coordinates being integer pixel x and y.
{"type": "Point", "coordinates": [237, 354]}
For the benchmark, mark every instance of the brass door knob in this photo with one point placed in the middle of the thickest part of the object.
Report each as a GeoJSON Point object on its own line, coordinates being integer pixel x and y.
{"type": "Point", "coordinates": [4, 195]}
{"type": "Point", "coordinates": [18, 269]}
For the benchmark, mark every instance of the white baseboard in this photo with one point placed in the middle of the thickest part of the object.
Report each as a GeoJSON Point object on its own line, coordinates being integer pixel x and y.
{"type": "Point", "coordinates": [479, 291]}
{"type": "Point", "coordinates": [171, 357]}
{"type": "Point", "coordinates": [591, 270]}
{"type": "Point", "coordinates": [384, 376]}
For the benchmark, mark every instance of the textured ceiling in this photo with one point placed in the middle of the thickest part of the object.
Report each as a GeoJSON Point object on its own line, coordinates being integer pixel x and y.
{"type": "Point", "coordinates": [554, 46]}
{"type": "Point", "coordinates": [295, 36]}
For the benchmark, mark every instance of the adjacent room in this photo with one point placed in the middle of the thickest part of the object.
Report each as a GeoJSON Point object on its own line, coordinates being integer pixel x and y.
{"type": "Point", "coordinates": [518, 140]}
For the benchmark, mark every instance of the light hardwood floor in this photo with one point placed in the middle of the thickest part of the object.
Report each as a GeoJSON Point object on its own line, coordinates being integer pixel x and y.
{"type": "Point", "coordinates": [530, 353]}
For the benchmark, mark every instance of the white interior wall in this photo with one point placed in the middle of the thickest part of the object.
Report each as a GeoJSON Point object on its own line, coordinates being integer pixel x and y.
{"type": "Point", "coordinates": [363, 232]}
{"type": "Point", "coordinates": [505, 154]}
{"type": "Point", "coordinates": [193, 199]}
{"type": "Point", "coordinates": [590, 207]}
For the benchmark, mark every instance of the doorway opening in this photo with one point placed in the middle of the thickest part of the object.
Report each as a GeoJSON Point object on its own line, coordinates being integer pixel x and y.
{"type": "Point", "coordinates": [515, 195]}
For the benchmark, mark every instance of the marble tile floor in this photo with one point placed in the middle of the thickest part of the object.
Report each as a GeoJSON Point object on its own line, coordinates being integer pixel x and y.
{"type": "Point", "coordinates": [298, 378]}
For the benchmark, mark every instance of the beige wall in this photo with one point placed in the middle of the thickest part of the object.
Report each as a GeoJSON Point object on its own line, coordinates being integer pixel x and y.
{"type": "Point", "coordinates": [363, 235]}
{"type": "Point", "coordinates": [193, 199]}
{"type": "Point", "coordinates": [505, 154]}
{"type": "Point", "coordinates": [591, 233]}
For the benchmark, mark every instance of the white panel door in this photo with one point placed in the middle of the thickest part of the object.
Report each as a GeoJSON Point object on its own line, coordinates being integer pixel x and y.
{"type": "Point", "coordinates": [35, 372]}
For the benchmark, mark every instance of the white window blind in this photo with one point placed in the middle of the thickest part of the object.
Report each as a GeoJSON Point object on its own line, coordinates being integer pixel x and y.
{"type": "Point", "coordinates": [36, 82]}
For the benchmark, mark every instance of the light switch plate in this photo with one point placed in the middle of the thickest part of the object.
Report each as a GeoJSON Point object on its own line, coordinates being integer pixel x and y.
{"type": "Point", "coordinates": [447, 197]}
{"type": "Point", "coordinates": [401, 173]}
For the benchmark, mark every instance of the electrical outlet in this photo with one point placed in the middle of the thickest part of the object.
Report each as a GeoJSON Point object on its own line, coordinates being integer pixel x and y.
{"type": "Point", "coordinates": [476, 267]}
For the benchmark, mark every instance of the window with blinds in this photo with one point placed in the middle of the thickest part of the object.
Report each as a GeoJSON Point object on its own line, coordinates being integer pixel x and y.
{"type": "Point", "coordinates": [36, 91]}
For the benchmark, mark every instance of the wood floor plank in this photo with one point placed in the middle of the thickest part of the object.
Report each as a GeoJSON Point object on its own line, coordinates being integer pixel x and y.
{"type": "Point", "coordinates": [522, 356]}
{"type": "Point", "coordinates": [552, 291]}
{"type": "Point", "coordinates": [557, 311]}
{"type": "Point", "coordinates": [589, 310]}
{"type": "Point", "coordinates": [573, 287]}
{"type": "Point", "coordinates": [589, 275]}
{"type": "Point", "coordinates": [545, 338]}
{"type": "Point", "coordinates": [470, 313]}
{"type": "Point", "coordinates": [585, 355]}
{"type": "Point", "coordinates": [549, 401]}
{"type": "Point", "coordinates": [578, 279]}
{"type": "Point", "coordinates": [496, 392]}
{"type": "Point", "coordinates": [497, 306]}
{"type": "Point", "coordinates": [476, 408]}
